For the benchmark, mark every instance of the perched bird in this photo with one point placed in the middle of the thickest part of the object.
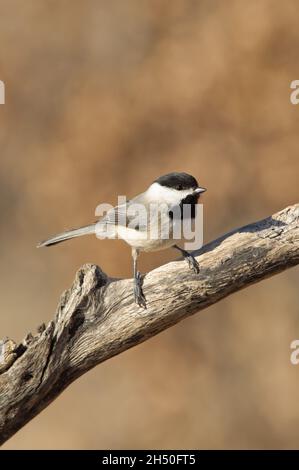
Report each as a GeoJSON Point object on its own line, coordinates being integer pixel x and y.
{"type": "Point", "coordinates": [147, 222]}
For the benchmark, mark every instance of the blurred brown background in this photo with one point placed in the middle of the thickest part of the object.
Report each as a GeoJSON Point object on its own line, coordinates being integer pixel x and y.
{"type": "Point", "coordinates": [101, 98]}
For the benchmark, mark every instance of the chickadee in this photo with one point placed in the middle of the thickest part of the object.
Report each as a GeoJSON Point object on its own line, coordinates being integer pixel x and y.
{"type": "Point", "coordinates": [126, 221]}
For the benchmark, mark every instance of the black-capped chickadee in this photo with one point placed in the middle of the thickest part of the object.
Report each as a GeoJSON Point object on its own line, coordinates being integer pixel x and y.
{"type": "Point", "coordinates": [142, 226]}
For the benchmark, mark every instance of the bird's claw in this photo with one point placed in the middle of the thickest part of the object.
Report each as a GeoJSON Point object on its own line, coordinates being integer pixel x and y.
{"type": "Point", "coordinates": [193, 263]}
{"type": "Point", "coordinates": [138, 292]}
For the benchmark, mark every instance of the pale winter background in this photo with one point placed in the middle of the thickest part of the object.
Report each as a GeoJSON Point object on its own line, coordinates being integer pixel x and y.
{"type": "Point", "coordinates": [102, 97]}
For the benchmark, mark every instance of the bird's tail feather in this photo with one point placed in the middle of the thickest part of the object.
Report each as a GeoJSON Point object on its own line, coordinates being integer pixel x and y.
{"type": "Point", "coordinates": [61, 237]}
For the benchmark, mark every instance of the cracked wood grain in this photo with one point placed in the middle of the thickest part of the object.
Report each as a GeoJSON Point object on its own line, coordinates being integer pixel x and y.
{"type": "Point", "coordinates": [97, 317]}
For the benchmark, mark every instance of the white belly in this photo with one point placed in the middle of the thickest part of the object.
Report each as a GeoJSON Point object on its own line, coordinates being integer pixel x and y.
{"type": "Point", "coordinates": [142, 240]}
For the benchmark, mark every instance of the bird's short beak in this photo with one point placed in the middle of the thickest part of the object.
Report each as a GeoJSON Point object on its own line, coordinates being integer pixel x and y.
{"type": "Point", "coordinates": [199, 190]}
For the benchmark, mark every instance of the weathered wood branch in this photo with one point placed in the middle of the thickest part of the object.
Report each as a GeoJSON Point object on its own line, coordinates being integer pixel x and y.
{"type": "Point", "coordinates": [97, 317]}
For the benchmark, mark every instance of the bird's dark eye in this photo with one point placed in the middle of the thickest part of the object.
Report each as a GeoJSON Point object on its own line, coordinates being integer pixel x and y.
{"type": "Point", "coordinates": [180, 187]}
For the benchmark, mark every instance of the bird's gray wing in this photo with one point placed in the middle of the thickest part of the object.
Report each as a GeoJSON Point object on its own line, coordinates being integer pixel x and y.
{"type": "Point", "coordinates": [132, 214]}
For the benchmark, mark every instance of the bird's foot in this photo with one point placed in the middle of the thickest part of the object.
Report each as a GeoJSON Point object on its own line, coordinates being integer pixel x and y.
{"type": "Point", "coordinates": [192, 262]}
{"type": "Point", "coordinates": [138, 292]}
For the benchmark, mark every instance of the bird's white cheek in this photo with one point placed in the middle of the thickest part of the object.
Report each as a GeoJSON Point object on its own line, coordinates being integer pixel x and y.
{"type": "Point", "coordinates": [161, 194]}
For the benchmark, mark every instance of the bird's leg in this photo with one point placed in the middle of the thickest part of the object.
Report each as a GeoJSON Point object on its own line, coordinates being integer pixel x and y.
{"type": "Point", "coordinates": [192, 262]}
{"type": "Point", "coordinates": [138, 281]}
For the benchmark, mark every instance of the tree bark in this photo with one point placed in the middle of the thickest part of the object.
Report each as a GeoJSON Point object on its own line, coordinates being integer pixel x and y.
{"type": "Point", "coordinates": [97, 317]}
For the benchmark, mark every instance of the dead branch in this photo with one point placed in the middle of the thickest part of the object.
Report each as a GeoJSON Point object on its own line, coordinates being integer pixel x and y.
{"type": "Point", "coordinates": [97, 317]}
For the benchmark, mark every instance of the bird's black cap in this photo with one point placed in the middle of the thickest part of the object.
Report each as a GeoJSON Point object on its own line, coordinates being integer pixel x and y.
{"type": "Point", "coordinates": [178, 181]}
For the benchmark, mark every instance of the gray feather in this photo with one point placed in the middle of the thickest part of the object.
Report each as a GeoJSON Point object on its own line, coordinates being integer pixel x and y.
{"type": "Point", "coordinates": [61, 237]}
